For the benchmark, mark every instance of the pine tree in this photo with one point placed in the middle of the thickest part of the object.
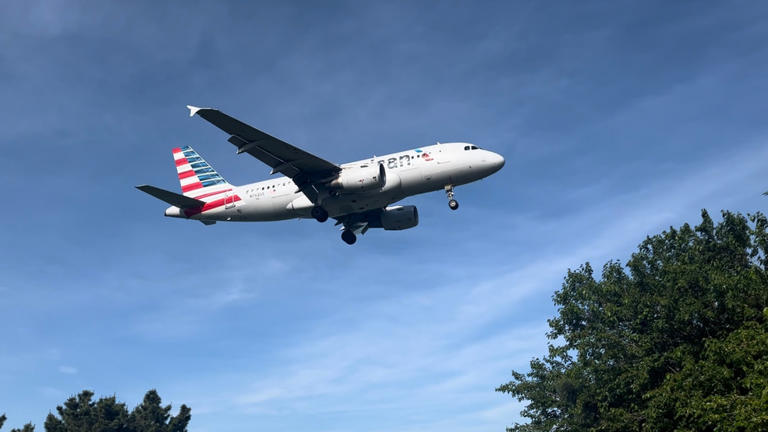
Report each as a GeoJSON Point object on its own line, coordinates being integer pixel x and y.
{"type": "Point", "coordinates": [29, 427]}
{"type": "Point", "coordinates": [81, 414]}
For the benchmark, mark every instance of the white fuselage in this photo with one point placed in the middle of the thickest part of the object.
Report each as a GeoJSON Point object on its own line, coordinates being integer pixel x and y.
{"type": "Point", "coordinates": [408, 173]}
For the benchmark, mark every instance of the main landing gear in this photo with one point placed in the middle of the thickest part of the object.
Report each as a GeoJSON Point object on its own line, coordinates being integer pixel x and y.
{"type": "Point", "coordinates": [319, 213]}
{"type": "Point", "coordinates": [348, 236]}
{"type": "Point", "coordinates": [452, 203]}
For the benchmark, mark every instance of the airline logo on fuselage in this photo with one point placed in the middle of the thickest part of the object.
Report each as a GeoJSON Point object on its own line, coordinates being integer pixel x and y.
{"type": "Point", "coordinates": [424, 155]}
{"type": "Point", "coordinates": [404, 160]}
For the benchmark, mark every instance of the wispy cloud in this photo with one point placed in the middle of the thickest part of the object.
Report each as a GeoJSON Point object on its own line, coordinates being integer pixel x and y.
{"type": "Point", "coordinates": [69, 370]}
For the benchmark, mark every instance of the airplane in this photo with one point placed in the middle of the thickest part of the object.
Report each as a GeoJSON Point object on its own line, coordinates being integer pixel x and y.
{"type": "Point", "coordinates": [358, 195]}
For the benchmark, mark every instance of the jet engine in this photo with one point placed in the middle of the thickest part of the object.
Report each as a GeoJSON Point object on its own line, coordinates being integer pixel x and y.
{"type": "Point", "coordinates": [399, 217]}
{"type": "Point", "coordinates": [362, 179]}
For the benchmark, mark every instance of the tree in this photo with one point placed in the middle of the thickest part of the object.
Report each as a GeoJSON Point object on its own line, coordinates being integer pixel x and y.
{"type": "Point", "coordinates": [80, 413]}
{"type": "Point", "coordinates": [151, 416]}
{"type": "Point", "coordinates": [676, 341]}
{"type": "Point", "coordinates": [29, 427]}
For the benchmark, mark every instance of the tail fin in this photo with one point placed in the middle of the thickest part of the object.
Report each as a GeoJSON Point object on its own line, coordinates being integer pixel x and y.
{"type": "Point", "coordinates": [196, 176]}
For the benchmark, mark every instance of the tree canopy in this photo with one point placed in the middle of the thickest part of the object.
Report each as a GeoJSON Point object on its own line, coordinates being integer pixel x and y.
{"type": "Point", "coordinates": [81, 414]}
{"type": "Point", "coordinates": [675, 340]}
{"type": "Point", "coordinates": [29, 427]}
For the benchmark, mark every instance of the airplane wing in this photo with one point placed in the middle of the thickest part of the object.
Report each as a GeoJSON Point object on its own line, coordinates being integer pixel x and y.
{"type": "Point", "coordinates": [303, 168]}
{"type": "Point", "coordinates": [360, 222]}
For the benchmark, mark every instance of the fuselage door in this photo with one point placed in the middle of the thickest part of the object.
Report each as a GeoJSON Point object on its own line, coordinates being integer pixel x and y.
{"type": "Point", "coordinates": [229, 200]}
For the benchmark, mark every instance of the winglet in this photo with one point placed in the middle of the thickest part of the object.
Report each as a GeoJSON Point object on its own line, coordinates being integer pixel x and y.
{"type": "Point", "coordinates": [193, 110]}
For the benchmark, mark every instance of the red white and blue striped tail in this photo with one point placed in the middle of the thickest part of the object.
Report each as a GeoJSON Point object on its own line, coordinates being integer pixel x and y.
{"type": "Point", "coordinates": [198, 179]}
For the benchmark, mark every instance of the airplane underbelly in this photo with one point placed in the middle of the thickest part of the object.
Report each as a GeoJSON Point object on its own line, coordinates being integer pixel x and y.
{"type": "Point", "coordinates": [462, 175]}
{"type": "Point", "coordinates": [264, 209]}
{"type": "Point", "coordinates": [354, 203]}
{"type": "Point", "coordinates": [300, 206]}
{"type": "Point", "coordinates": [448, 173]}
{"type": "Point", "coordinates": [437, 176]}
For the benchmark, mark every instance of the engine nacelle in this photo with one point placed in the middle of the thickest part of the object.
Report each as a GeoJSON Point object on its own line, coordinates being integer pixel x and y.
{"type": "Point", "coordinates": [360, 179]}
{"type": "Point", "coordinates": [393, 183]}
{"type": "Point", "coordinates": [399, 217]}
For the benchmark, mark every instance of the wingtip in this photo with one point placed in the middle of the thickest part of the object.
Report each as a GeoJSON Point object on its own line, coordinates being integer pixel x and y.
{"type": "Point", "coordinates": [193, 110]}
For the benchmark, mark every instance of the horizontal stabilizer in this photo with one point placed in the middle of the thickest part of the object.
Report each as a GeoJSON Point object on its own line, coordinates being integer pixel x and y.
{"type": "Point", "coordinates": [172, 198]}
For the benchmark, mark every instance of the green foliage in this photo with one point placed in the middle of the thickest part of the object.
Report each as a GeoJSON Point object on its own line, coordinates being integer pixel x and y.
{"type": "Point", "coordinates": [678, 341]}
{"type": "Point", "coordinates": [29, 427]}
{"type": "Point", "coordinates": [151, 416]}
{"type": "Point", "coordinates": [81, 414]}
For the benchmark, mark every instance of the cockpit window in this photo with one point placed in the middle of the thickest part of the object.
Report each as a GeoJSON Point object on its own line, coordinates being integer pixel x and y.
{"type": "Point", "coordinates": [474, 148]}
{"type": "Point", "coordinates": [466, 147]}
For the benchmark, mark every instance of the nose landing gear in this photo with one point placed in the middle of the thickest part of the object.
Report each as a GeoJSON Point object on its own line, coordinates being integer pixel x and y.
{"type": "Point", "coordinates": [452, 203]}
{"type": "Point", "coordinates": [319, 214]}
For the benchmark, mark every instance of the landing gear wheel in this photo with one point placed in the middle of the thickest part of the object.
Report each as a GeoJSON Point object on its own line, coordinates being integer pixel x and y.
{"type": "Point", "coordinates": [349, 237]}
{"type": "Point", "coordinates": [319, 214]}
{"type": "Point", "coordinates": [452, 203]}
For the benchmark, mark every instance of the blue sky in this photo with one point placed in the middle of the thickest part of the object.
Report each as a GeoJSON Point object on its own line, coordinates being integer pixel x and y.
{"type": "Point", "coordinates": [617, 119]}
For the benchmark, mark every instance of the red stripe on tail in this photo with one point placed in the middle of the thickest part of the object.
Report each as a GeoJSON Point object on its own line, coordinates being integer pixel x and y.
{"type": "Point", "coordinates": [211, 193]}
{"type": "Point", "coordinates": [212, 205]}
{"type": "Point", "coordinates": [185, 174]}
{"type": "Point", "coordinates": [191, 187]}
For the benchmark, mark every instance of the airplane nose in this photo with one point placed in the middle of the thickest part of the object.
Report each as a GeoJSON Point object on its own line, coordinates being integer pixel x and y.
{"type": "Point", "coordinates": [497, 161]}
